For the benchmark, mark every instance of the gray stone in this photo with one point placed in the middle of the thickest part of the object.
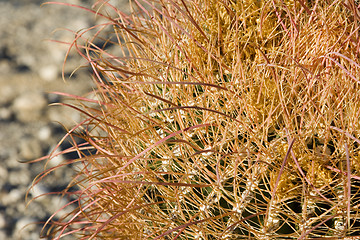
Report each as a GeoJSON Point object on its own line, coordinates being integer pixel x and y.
{"type": "Point", "coordinates": [24, 227]}
{"type": "Point", "coordinates": [7, 93]}
{"type": "Point", "coordinates": [56, 158]}
{"type": "Point", "coordinates": [2, 221]}
{"type": "Point", "coordinates": [30, 148]}
{"type": "Point", "coordinates": [3, 234]}
{"type": "Point", "coordinates": [3, 175]}
{"type": "Point", "coordinates": [44, 133]}
{"type": "Point", "coordinates": [67, 116]}
{"type": "Point", "coordinates": [19, 178]}
{"type": "Point", "coordinates": [38, 190]}
{"type": "Point", "coordinates": [29, 106]}
{"type": "Point", "coordinates": [12, 197]}
{"type": "Point", "coordinates": [49, 72]}
{"type": "Point", "coordinates": [5, 113]}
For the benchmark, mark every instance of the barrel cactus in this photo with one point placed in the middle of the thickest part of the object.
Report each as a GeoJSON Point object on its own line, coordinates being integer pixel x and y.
{"type": "Point", "coordinates": [219, 119]}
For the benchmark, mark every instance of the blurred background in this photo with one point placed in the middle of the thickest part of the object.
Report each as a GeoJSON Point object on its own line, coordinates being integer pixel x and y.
{"type": "Point", "coordinates": [30, 69]}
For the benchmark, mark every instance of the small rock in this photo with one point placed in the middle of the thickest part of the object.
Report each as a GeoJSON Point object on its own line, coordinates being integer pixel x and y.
{"type": "Point", "coordinates": [5, 66]}
{"type": "Point", "coordinates": [29, 106]}
{"type": "Point", "coordinates": [19, 177]}
{"type": "Point", "coordinates": [30, 148]}
{"type": "Point", "coordinates": [66, 116]}
{"type": "Point", "coordinates": [49, 73]}
{"type": "Point", "coordinates": [7, 93]}
{"type": "Point", "coordinates": [24, 226]}
{"type": "Point", "coordinates": [57, 204]}
{"type": "Point", "coordinates": [56, 158]}
{"type": "Point", "coordinates": [38, 190]}
{"type": "Point", "coordinates": [2, 222]}
{"type": "Point", "coordinates": [5, 113]}
{"type": "Point", "coordinates": [13, 160]}
{"type": "Point", "coordinates": [44, 133]}
{"type": "Point", "coordinates": [13, 196]}
{"type": "Point", "coordinates": [37, 209]}
{"type": "Point", "coordinates": [3, 175]}
{"type": "Point", "coordinates": [3, 234]}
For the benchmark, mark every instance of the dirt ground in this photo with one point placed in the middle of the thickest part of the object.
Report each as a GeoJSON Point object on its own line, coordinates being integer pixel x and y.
{"type": "Point", "coordinates": [30, 127]}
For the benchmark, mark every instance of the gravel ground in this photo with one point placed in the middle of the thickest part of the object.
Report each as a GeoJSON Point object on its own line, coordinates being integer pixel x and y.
{"type": "Point", "coordinates": [30, 70]}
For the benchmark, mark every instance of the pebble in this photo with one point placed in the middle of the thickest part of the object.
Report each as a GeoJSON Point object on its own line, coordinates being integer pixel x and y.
{"type": "Point", "coordinates": [30, 148]}
{"type": "Point", "coordinates": [28, 107]}
{"type": "Point", "coordinates": [55, 159]}
{"type": "Point", "coordinates": [49, 73]}
{"type": "Point", "coordinates": [44, 133]}
{"type": "Point", "coordinates": [24, 225]}
{"type": "Point", "coordinates": [19, 177]}
{"type": "Point", "coordinates": [13, 196]}
{"type": "Point", "coordinates": [3, 234]}
{"type": "Point", "coordinates": [5, 113]}
{"type": "Point", "coordinates": [64, 115]}
{"type": "Point", "coordinates": [38, 190]}
{"type": "Point", "coordinates": [2, 222]}
{"type": "Point", "coordinates": [13, 160]}
{"type": "Point", "coordinates": [7, 92]}
{"type": "Point", "coordinates": [5, 66]}
{"type": "Point", "coordinates": [3, 176]}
